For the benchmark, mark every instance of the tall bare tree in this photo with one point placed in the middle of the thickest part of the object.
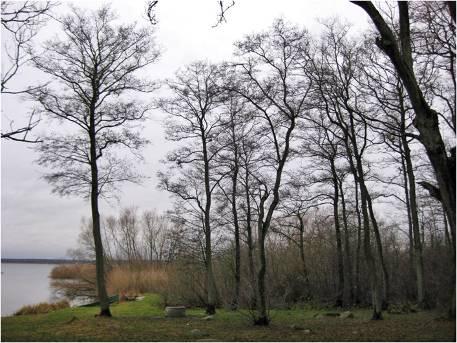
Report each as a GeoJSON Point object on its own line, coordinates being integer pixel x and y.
{"type": "Point", "coordinates": [279, 96]}
{"type": "Point", "coordinates": [94, 69]}
{"type": "Point", "coordinates": [193, 118]}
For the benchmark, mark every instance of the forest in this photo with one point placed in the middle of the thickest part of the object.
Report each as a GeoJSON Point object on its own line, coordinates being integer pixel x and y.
{"type": "Point", "coordinates": [305, 170]}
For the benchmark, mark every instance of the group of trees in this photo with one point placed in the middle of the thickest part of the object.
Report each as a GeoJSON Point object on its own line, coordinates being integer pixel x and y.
{"type": "Point", "coordinates": [294, 124]}
{"type": "Point", "coordinates": [131, 238]}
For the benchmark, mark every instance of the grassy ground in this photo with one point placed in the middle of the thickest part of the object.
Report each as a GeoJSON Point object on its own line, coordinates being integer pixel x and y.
{"type": "Point", "coordinates": [144, 321]}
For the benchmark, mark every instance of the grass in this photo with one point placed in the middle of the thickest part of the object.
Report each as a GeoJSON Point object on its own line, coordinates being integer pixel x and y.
{"type": "Point", "coordinates": [144, 321]}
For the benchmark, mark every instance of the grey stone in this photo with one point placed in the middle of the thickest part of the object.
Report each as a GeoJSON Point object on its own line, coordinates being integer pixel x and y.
{"type": "Point", "coordinates": [175, 311]}
{"type": "Point", "coordinates": [198, 333]}
{"type": "Point", "coordinates": [307, 331]}
{"type": "Point", "coordinates": [208, 318]}
{"type": "Point", "coordinates": [346, 314]}
{"type": "Point", "coordinates": [296, 327]}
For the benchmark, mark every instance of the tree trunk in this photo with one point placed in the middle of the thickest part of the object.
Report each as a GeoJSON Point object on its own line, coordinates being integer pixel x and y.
{"type": "Point", "coordinates": [99, 259]}
{"type": "Point", "coordinates": [382, 261]}
{"type": "Point", "coordinates": [359, 241]}
{"type": "Point", "coordinates": [375, 285]}
{"type": "Point", "coordinates": [235, 301]}
{"type": "Point", "coordinates": [339, 246]}
{"type": "Point", "coordinates": [348, 295]}
{"type": "Point", "coordinates": [210, 282]}
{"type": "Point", "coordinates": [262, 315]}
{"type": "Point", "coordinates": [418, 256]}
{"type": "Point", "coordinates": [408, 212]}
{"type": "Point", "coordinates": [302, 257]}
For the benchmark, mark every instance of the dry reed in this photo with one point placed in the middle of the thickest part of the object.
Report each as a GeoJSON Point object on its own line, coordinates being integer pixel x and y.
{"type": "Point", "coordinates": [42, 308]}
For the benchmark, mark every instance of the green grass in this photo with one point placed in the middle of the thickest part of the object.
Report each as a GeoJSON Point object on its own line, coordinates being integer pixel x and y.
{"type": "Point", "coordinates": [144, 321]}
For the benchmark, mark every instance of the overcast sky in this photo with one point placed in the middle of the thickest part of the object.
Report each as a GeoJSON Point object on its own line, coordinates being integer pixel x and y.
{"type": "Point", "coordinates": [38, 224]}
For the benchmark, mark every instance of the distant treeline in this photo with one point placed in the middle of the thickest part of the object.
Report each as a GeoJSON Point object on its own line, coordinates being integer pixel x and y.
{"type": "Point", "coordinates": [43, 260]}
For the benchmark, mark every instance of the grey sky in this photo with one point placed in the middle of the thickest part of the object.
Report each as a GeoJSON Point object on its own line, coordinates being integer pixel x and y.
{"type": "Point", "coordinates": [36, 223]}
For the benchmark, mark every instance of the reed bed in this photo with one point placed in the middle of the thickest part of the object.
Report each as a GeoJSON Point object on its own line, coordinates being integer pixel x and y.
{"type": "Point", "coordinates": [42, 308]}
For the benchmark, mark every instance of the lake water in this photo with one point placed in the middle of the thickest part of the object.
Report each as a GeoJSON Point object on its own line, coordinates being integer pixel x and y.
{"type": "Point", "coordinates": [25, 284]}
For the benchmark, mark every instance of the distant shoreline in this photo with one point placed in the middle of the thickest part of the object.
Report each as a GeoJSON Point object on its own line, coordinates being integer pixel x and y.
{"type": "Point", "coordinates": [43, 261]}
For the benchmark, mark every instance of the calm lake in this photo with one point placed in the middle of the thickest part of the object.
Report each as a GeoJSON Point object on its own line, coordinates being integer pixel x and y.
{"type": "Point", "coordinates": [25, 284]}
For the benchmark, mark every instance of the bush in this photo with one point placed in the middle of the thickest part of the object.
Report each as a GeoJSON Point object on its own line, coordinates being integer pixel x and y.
{"type": "Point", "coordinates": [42, 308]}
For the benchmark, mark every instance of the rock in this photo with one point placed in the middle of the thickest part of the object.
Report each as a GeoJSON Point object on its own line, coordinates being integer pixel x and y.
{"type": "Point", "coordinates": [208, 318]}
{"type": "Point", "coordinates": [175, 311]}
{"type": "Point", "coordinates": [346, 314]}
{"type": "Point", "coordinates": [198, 333]}
{"type": "Point", "coordinates": [307, 331]}
{"type": "Point", "coordinates": [296, 327]}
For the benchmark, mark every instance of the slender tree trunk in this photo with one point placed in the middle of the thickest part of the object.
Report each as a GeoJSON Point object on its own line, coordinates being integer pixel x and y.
{"type": "Point", "coordinates": [339, 245]}
{"type": "Point", "coordinates": [302, 258]}
{"type": "Point", "coordinates": [250, 242]}
{"type": "Point", "coordinates": [262, 318]}
{"type": "Point", "coordinates": [375, 285]}
{"type": "Point", "coordinates": [359, 241]}
{"type": "Point", "coordinates": [348, 296]}
{"type": "Point", "coordinates": [382, 261]}
{"type": "Point", "coordinates": [99, 259]}
{"type": "Point", "coordinates": [236, 298]}
{"type": "Point", "coordinates": [411, 201]}
{"type": "Point", "coordinates": [210, 282]}
{"type": "Point", "coordinates": [410, 223]}
{"type": "Point", "coordinates": [264, 225]}
{"type": "Point", "coordinates": [446, 232]}
{"type": "Point", "coordinates": [418, 255]}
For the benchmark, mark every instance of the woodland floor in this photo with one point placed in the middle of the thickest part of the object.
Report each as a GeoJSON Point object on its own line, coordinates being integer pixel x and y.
{"type": "Point", "coordinates": [144, 321]}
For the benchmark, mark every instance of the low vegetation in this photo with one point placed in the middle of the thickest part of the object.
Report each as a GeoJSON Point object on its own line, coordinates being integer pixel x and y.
{"type": "Point", "coordinates": [78, 280]}
{"type": "Point", "coordinates": [144, 321]}
{"type": "Point", "coordinates": [42, 308]}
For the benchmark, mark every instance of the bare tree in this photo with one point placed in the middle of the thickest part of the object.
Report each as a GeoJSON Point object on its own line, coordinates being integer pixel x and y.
{"type": "Point", "coordinates": [21, 22]}
{"type": "Point", "coordinates": [399, 50]}
{"type": "Point", "coordinates": [279, 96]}
{"type": "Point", "coordinates": [94, 68]}
{"type": "Point", "coordinates": [193, 118]}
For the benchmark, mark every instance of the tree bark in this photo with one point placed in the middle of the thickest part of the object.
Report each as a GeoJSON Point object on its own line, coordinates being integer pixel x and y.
{"type": "Point", "coordinates": [250, 241]}
{"type": "Point", "coordinates": [359, 241]}
{"type": "Point", "coordinates": [99, 259]}
{"type": "Point", "coordinates": [235, 301]}
{"type": "Point", "coordinates": [382, 261]}
{"type": "Point", "coordinates": [357, 169]}
{"type": "Point", "coordinates": [210, 282]}
{"type": "Point", "coordinates": [348, 296]}
{"type": "Point", "coordinates": [339, 245]}
{"type": "Point", "coordinates": [418, 256]}
{"type": "Point", "coordinates": [302, 258]}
